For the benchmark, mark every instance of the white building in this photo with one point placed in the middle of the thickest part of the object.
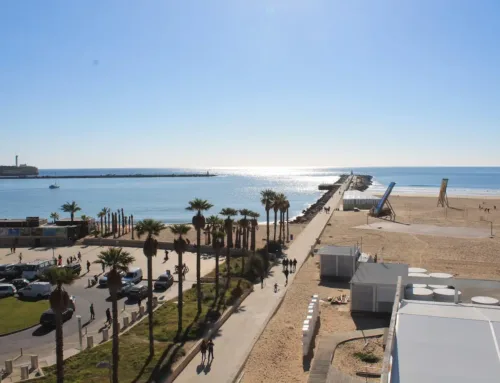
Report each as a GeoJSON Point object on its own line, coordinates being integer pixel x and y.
{"type": "Point", "coordinates": [340, 261]}
{"type": "Point", "coordinates": [436, 342]}
{"type": "Point", "coordinates": [373, 286]}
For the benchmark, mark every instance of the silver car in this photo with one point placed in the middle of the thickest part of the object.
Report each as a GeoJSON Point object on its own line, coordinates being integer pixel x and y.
{"type": "Point", "coordinates": [7, 290]}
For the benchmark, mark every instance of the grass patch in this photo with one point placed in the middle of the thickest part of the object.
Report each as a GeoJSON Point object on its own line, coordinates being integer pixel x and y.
{"type": "Point", "coordinates": [135, 365]}
{"type": "Point", "coordinates": [367, 357]}
{"type": "Point", "coordinates": [18, 314]}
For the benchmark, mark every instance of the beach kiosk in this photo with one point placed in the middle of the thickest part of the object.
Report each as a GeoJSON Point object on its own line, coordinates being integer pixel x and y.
{"type": "Point", "coordinates": [339, 262]}
{"type": "Point", "coordinates": [373, 286]}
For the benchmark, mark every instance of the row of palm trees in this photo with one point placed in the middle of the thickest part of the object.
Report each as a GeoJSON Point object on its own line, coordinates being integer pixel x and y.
{"type": "Point", "coordinates": [117, 259]}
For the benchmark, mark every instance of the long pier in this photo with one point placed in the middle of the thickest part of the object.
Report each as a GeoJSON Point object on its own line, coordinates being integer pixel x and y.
{"type": "Point", "coordinates": [76, 176]}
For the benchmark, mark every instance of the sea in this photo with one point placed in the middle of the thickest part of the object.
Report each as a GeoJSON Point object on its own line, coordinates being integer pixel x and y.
{"type": "Point", "coordinates": [165, 199]}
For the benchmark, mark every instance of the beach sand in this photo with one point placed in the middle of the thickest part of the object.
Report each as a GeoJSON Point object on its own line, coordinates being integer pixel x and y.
{"type": "Point", "coordinates": [277, 355]}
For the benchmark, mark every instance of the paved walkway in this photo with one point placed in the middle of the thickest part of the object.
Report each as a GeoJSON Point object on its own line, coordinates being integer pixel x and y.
{"type": "Point", "coordinates": [238, 335]}
{"type": "Point", "coordinates": [322, 370]}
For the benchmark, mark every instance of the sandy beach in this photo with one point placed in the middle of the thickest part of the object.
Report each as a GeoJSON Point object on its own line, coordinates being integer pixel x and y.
{"type": "Point", "coordinates": [277, 355]}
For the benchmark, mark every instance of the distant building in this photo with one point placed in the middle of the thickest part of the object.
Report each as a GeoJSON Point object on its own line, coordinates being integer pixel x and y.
{"type": "Point", "coordinates": [340, 262]}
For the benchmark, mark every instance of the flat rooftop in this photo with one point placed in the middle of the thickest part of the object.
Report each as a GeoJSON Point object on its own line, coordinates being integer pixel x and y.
{"type": "Point", "coordinates": [446, 343]}
{"type": "Point", "coordinates": [379, 273]}
{"type": "Point", "coordinates": [338, 250]}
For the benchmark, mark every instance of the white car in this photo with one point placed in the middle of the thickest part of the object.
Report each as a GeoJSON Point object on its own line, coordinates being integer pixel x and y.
{"type": "Point", "coordinates": [7, 290]}
{"type": "Point", "coordinates": [36, 290]}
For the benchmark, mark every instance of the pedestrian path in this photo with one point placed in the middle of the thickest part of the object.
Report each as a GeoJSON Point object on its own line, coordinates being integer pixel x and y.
{"type": "Point", "coordinates": [322, 370]}
{"type": "Point", "coordinates": [238, 335]}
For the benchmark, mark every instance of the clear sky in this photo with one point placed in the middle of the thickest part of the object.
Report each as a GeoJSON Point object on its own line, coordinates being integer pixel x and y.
{"type": "Point", "coordinates": [116, 83]}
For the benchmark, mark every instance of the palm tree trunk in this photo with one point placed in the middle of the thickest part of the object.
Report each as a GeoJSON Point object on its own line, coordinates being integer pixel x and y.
{"type": "Point", "coordinates": [150, 306]}
{"type": "Point", "coordinates": [59, 346]}
{"type": "Point", "coordinates": [228, 267]}
{"type": "Point", "coordinates": [281, 225]}
{"type": "Point", "coordinates": [179, 296]}
{"type": "Point", "coordinates": [198, 268]}
{"type": "Point", "coordinates": [116, 342]}
{"type": "Point", "coordinates": [287, 227]}
{"type": "Point", "coordinates": [267, 218]}
{"type": "Point", "coordinates": [252, 239]}
{"type": "Point", "coordinates": [217, 254]}
{"type": "Point", "coordinates": [72, 217]}
{"type": "Point", "coordinates": [248, 235]}
{"type": "Point", "coordinates": [101, 226]}
{"type": "Point", "coordinates": [275, 223]}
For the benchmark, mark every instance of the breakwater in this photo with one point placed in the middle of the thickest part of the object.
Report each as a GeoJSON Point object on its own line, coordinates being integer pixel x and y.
{"type": "Point", "coordinates": [309, 213]}
{"type": "Point", "coordinates": [361, 182]}
{"type": "Point", "coordinates": [76, 176]}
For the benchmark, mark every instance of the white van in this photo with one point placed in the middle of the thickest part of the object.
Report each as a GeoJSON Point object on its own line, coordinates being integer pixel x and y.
{"type": "Point", "coordinates": [134, 275]}
{"type": "Point", "coordinates": [36, 290]}
{"type": "Point", "coordinates": [35, 269]}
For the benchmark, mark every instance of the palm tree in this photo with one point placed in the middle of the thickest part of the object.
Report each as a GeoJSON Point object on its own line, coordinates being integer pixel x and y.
{"type": "Point", "coordinates": [198, 221]}
{"type": "Point", "coordinates": [180, 245]}
{"type": "Point", "coordinates": [108, 211]}
{"type": "Point", "coordinates": [118, 260]}
{"type": "Point", "coordinates": [54, 216]}
{"type": "Point", "coordinates": [72, 208]}
{"type": "Point", "coordinates": [59, 301]}
{"type": "Point", "coordinates": [277, 202]}
{"type": "Point", "coordinates": [212, 225]}
{"type": "Point", "coordinates": [287, 221]}
{"type": "Point", "coordinates": [266, 199]}
{"type": "Point", "coordinates": [102, 216]}
{"type": "Point", "coordinates": [255, 225]}
{"type": "Point", "coordinates": [217, 244]}
{"type": "Point", "coordinates": [245, 213]}
{"type": "Point", "coordinates": [152, 228]}
{"type": "Point", "coordinates": [228, 224]}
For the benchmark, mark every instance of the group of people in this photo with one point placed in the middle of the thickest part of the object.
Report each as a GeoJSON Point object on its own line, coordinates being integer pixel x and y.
{"type": "Point", "coordinates": [486, 209]}
{"type": "Point", "coordinates": [286, 264]}
{"type": "Point", "coordinates": [326, 209]}
{"type": "Point", "coordinates": [207, 346]}
{"type": "Point", "coordinates": [184, 270]}
{"type": "Point", "coordinates": [70, 260]}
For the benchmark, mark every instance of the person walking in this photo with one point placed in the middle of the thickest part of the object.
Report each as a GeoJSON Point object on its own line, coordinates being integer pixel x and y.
{"type": "Point", "coordinates": [210, 349]}
{"type": "Point", "coordinates": [79, 257]}
{"type": "Point", "coordinates": [286, 276]}
{"type": "Point", "coordinates": [276, 287]}
{"type": "Point", "coordinates": [108, 317]}
{"type": "Point", "coordinates": [294, 265]}
{"type": "Point", "coordinates": [103, 268]}
{"type": "Point", "coordinates": [88, 266]}
{"type": "Point", "coordinates": [20, 257]}
{"type": "Point", "coordinates": [139, 302]}
{"type": "Point", "coordinates": [203, 350]}
{"type": "Point", "coordinates": [92, 313]}
{"type": "Point", "coordinates": [262, 281]}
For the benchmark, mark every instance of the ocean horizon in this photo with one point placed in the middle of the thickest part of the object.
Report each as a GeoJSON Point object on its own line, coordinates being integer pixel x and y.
{"type": "Point", "coordinates": [165, 199]}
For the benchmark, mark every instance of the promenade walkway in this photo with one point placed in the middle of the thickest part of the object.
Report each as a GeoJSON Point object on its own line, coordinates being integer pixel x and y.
{"type": "Point", "coordinates": [238, 335]}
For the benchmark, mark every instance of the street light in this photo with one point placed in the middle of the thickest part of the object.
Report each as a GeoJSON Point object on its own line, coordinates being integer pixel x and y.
{"type": "Point", "coordinates": [105, 364]}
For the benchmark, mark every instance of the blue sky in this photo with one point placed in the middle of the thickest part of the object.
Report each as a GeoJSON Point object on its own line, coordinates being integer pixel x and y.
{"type": "Point", "coordinates": [249, 83]}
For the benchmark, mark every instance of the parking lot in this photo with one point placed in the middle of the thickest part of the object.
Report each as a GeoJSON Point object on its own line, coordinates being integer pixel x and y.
{"type": "Point", "coordinates": [36, 338]}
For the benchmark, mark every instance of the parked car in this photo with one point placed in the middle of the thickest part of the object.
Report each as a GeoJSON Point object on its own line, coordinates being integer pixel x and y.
{"type": "Point", "coordinates": [164, 281]}
{"type": "Point", "coordinates": [36, 290]}
{"type": "Point", "coordinates": [7, 290]}
{"type": "Point", "coordinates": [75, 267]}
{"type": "Point", "coordinates": [125, 288]}
{"type": "Point", "coordinates": [138, 292]}
{"type": "Point", "coordinates": [134, 275]}
{"type": "Point", "coordinates": [15, 271]}
{"type": "Point", "coordinates": [103, 281]}
{"type": "Point", "coordinates": [4, 270]}
{"type": "Point", "coordinates": [48, 318]}
{"type": "Point", "coordinates": [20, 283]}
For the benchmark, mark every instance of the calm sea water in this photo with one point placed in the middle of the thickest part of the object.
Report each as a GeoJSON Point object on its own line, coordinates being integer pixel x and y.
{"type": "Point", "coordinates": [166, 198]}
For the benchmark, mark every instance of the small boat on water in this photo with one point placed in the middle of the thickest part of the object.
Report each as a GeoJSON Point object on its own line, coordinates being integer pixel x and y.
{"type": "Point", "coordinates": [54, 186]}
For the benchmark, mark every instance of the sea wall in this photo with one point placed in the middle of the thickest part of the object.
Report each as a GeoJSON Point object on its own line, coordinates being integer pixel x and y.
{"type": "Point", "coordinates": [361, 182]}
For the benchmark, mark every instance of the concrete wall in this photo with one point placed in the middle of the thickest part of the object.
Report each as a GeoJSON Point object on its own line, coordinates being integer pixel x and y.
{"type": "Point", "coordinates": [372, 298]}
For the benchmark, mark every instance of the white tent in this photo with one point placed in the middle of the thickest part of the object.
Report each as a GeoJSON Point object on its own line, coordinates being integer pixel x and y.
{"type": "Point", "coordinates": [357, 199]}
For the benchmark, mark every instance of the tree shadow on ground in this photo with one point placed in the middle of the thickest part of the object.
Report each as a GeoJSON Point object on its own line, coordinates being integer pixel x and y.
{"type": "Point", "coordinates": [164, 365]}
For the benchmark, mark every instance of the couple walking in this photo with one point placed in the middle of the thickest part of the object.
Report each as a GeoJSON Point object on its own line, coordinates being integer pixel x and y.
{"type": "Point", "coordinates": [204, 347]}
